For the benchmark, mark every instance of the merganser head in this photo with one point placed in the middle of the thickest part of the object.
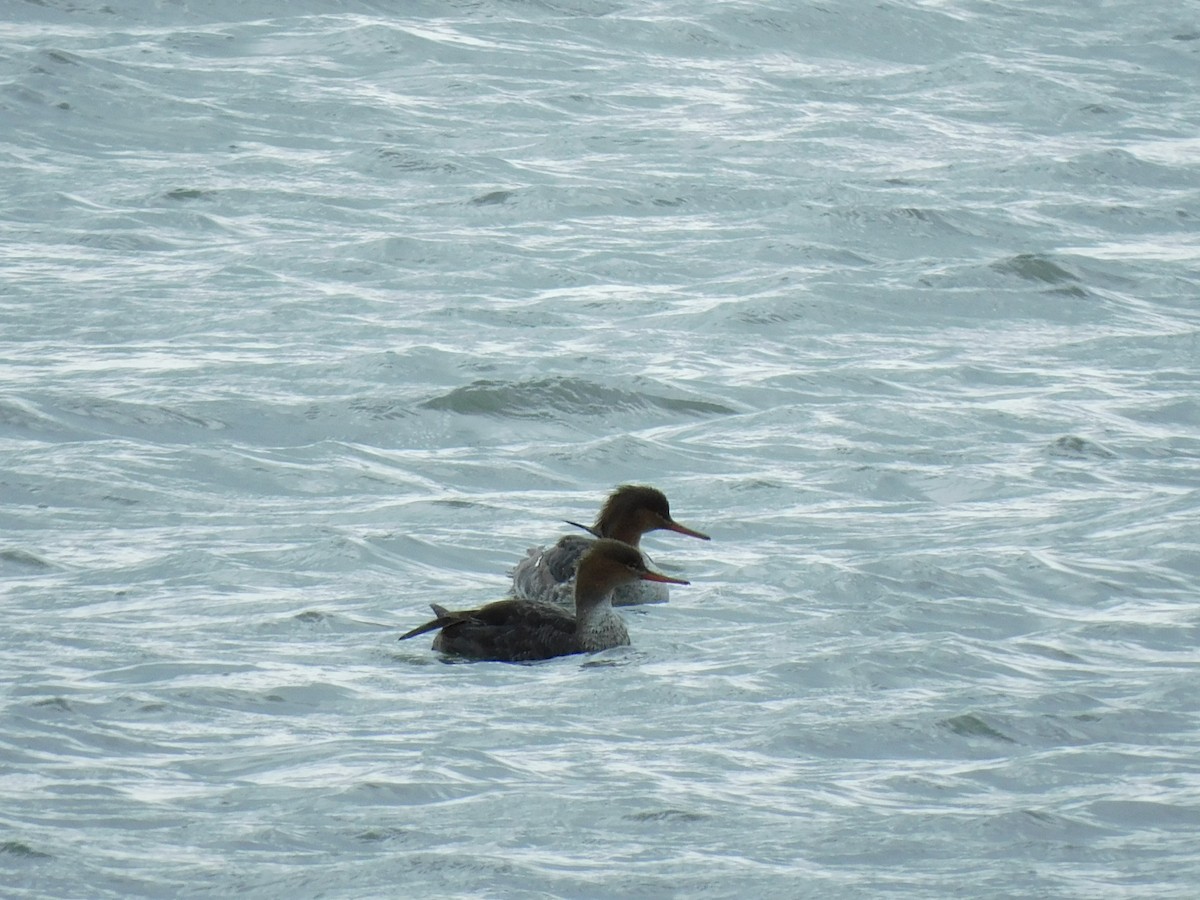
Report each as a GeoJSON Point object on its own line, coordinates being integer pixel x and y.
{"type": "Point", "coordinates": [634, 509]}
{"type": "Point", "coordinates": [607, 565]}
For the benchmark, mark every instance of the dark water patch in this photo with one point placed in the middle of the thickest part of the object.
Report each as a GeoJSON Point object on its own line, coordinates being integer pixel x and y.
{"type": "Point", "coordinates": [406, 161]}
{"type": "Point", "coordinates": [166, 672]}
{"type": "Point", "coordinates": [22, 560]}
{"type": "Point", "coordinates": [1036, 267]}
{"type": "Point", "coordinates": [1119, 169]}
{"type": "Point", "coordinates": [61, 57]}
{"type": "Point", "coordinates": [609, 662]}
{"type": "Point", "coordinates": [463, 865]}
{"type": "Point", "coordinates": [1055, 653]}
{"type": "Point", "coordinates": [312, 617]}
{"type": "Point", "coordinates": [667, 815]}
{"type": "Point", "coordinates": [780, 312]}
{"type": "Point", "coordinates": [493, 198]}
{"type": "Point", "coordinates": [121, 242]}
{"type": "Point", "coordinates": [381, 410]}
{"type": "Point", "coordinates": [19, 415]}
{"type": "Point", "coordinates": [970, 725]}
{"type": "Point", "coordinates": [420, 655]}
{"type": "Point", "coordinates": [23, 850]}
{"type": "Point", "coordinates": [19, 94]}
{"type": "Point", "coordinates": [181, 194]}
{"type": "Point", "coordinates": [1072, 446]}
{"type": "Point", "coordinates": [1071, 291]}
{"type": "Point", "coordinates": [60, 703]}
{"type": "Point", "coordinates": [381, 835]}
{"type": "Point", "coordinates": [913, 222]}
{"type": "Point", "coordinates": [1040, 817]}
{"type": "Point", "coordinates": [459, 504]}
{"type": "Point", "coordinates": [139, 415]}
{"type": "Point", "coordinates": [547, 398]}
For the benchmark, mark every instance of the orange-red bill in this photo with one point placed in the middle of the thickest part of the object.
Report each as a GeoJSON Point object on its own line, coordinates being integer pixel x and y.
{"type": "Point", "coordinates": [659, 576]}
{"type": "Point", "coordinates": [672, 525]}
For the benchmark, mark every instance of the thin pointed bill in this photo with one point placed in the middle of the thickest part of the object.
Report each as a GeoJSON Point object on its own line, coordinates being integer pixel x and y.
{"type": "Point", "coordinates": [672, 525]}
{"type": "Point", "coordinates": [659, 576]}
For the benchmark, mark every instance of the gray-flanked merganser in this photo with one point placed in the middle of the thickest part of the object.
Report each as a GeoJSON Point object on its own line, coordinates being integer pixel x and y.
{"type": "Point", "coordinates": [522, 630]}
{"type": "Point", "coordinates": [546, 573]}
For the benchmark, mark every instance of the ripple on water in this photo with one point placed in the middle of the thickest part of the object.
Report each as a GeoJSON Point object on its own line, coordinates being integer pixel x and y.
{"type": "Point", "coordinates": [548, 398]}
{"type": "Point", "coordinates": [315, 319]}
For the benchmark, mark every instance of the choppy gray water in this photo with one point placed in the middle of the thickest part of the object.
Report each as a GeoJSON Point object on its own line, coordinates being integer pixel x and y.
{"type": "Point", "coordinates": [311, 317]}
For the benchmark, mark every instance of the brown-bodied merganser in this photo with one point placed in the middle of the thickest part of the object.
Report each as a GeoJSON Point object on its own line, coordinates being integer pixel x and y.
{"type": "Point", "coordinates": [546, 573]}
{"type": "Point", "coordinates": [521, 630]}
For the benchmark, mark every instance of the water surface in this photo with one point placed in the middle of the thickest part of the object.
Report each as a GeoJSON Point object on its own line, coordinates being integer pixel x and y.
{"type": "Point", "coordinates": [313, 317]}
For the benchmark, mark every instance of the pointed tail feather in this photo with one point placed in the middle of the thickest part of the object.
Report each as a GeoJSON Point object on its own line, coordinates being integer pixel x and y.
{"type": "Point", "coordinates": [444, 619]}
{"type": "Point", "coordinates": [588, 528]}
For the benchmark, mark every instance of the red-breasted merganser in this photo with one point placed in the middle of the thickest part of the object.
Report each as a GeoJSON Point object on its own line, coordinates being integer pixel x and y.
{"type": "Point", "coordinates": [522, 630]}
{"type": "Point", "coordinates": [546, 573]}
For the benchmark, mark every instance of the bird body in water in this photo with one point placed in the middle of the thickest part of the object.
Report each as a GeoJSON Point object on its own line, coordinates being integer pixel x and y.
{"type": "Point", "coordinates": [546, 574]}
{"type": "Point", "coordinates": [517, 630]}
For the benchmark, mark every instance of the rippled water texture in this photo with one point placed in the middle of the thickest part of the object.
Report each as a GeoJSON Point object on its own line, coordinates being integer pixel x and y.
{"type": "Point", "coordinates": [314, 315]}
